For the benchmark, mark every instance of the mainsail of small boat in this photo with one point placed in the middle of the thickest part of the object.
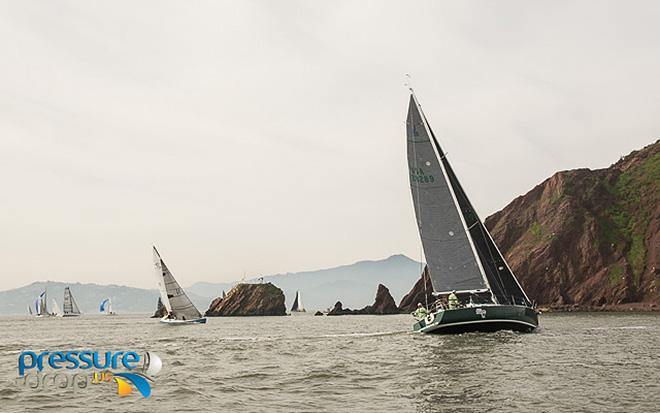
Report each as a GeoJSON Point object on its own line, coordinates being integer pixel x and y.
{"type": "Point", "coordinates": [56, 308]}
{"type": "Point", "coordinates": [70, 307]}
{"type": "Point", "coordinates": [462, 258]}
{"type": "Point", "coordinates": [297, 306]}
{"type": "Point", "coordinates": [40, 305]}
{"type": "Point", "coordinates": [106, 307]}
{"type": "Point", "coordinates": [179, 307]}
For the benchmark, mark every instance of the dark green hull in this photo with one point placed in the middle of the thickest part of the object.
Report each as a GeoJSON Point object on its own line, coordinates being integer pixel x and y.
{"type": "Point", "coordinates": [479, 318]}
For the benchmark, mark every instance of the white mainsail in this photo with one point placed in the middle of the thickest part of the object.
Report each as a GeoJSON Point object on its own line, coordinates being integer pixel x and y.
{"type": "Point", "coordinates": [70, 306]}
{"type": "Point", "coordinates": [56, 308]}
{"type": "Point", "coordinates": [297, 304]}
{"type": "Point", "coordinates": [172, 295]}
{"type": "Point", "coordinates": [40, 305]}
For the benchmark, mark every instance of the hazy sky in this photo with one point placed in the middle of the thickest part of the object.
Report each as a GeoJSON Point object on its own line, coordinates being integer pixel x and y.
{"type": "Point", "coordinates": [268, 136]}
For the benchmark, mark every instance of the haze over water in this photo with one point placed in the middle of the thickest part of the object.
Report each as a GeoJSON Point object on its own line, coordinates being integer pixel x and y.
{"type": "Point", "coordinates": [575, 362]}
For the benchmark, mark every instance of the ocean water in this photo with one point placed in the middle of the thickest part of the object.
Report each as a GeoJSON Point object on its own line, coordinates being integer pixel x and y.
{"type": "Point", "coordinates": [576, 362]}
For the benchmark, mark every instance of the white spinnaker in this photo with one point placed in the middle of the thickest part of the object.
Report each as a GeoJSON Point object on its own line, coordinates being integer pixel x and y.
{"type": "Point", "coordinates": [172, 295]}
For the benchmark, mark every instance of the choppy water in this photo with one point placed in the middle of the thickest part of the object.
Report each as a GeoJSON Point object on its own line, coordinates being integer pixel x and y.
{"type": "Point", "coordinates": [576, 362]}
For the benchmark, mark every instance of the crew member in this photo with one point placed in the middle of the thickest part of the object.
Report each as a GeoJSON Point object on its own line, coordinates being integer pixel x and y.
{"type": "Point", "coordinates": [421, 312]}
{"type": "Point", "coordinates": [452, 300]}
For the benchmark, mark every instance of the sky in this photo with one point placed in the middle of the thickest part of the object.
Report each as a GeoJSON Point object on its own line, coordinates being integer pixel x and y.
{"type": "Point", "coordinates": [259, 137]}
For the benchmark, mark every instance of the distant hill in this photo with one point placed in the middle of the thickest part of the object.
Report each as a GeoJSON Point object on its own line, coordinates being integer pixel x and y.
{"type": "Point", "coordinates": [588, 237]}
{"type": "Point", "coordinates": [88, 297]}
{"type": "Point", "coordinates": [355, 284]}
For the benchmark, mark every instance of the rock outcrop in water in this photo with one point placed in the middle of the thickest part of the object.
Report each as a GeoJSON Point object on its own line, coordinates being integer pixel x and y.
{"type": "Point", "coordinates": [383, 304]}
{"type": "Point", "coordinates": [161, 311]}
{"type": "Point", "coordinates": [585, 238]}
{"type": "Point", "coordinates": [249, 300]}
{"type": "Point", "coordinates": [418, 294]}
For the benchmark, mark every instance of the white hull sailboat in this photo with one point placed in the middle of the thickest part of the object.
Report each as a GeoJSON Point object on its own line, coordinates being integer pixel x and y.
{"type": "Point", "coordinates": [70, 306]}
{"type": "Point", "coordinates": [105, 307]}
{"type": "Point", "coordinates": [180, 310]}
{"type": "Point", "coordinates": [297, 307]}
{"type": "Point", "coordinates": [56, 309]}
{"type": "Point", "coordinates": [40, 306]}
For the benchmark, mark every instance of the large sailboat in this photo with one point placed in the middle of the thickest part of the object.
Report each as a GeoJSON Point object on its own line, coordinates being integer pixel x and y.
{"type": "Point", "coordinates": [180, 310]}
{"type": "Point", "coordinates": [69, 305]}
{"type": "Point", "coordinates": [474, 287]}
{"type": "Point", "coordinates": [297, 306]}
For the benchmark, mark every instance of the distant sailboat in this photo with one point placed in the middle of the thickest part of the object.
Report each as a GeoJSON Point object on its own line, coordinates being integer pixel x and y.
{"type": "Point", "coordinates": [474, 286]}
{"type": "Point", "coordinates": [180, 310]}
{"type": "Point", "coordinates": [70, 307]}
{"type": "Point", "coordinates": [297, 306]}
{"type": "Point", "coordinates": [106, 307]}
{"type": "Point", "coordinates": [29, 310]}
{"type": "Point", "coordinates": [40, 305]}
{"type": "Point", "coordinates": [56, 309]}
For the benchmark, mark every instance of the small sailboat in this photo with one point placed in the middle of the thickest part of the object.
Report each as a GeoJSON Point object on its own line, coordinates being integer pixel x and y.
{"type": "Point", "coordinates": [474, 287]}
{"type": "Point", "coordinates": [40, 305]}
{"type": "Point", "coordinates": [70, 306]}
{"type": "Point", "coordinates": [29, 309]}
{"type": "Point", "coordinates": [297, 306]}
{"type": "Point", "coordinates": [180, 310]}
{"type": "Point", "coordinates": [106, 307]}
{"type": "Point", "coordinates": [56, 309]}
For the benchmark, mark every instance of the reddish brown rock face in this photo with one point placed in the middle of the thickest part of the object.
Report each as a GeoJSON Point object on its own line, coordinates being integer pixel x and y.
{"type": "Point", "coordinates": [383, 304]}
{"type": "Point", "coordinates": [586, 237]}
{"type": "Point", "coordinates": [160, 310]}
{"type": "Point", "coordinates": [418, 294]}
{"type": "Point", "coordinates": [582, 237]}
{"type": "Point", "coordinates": [249, 300]}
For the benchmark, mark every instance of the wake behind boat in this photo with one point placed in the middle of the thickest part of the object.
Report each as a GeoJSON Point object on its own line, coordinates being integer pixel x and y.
{"type": "Point", "coordinates": [474, 287]}
{"type": "Point", "coordinates": [180, 310]}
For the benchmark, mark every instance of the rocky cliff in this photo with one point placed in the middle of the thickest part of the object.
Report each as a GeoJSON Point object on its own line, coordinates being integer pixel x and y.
{"type": "Point", "coordinates": [584, 238]}
{"type": "Point", "coordinates": [417, 295]}
{"type": "Point", "coordinates": [587, 237]}
{"type": "Point", "coordinates": [160, 310]}
{"type": "Point", "coordinates": [383, 304]}
{"type": "Point", "coordinates": [249, 300]}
